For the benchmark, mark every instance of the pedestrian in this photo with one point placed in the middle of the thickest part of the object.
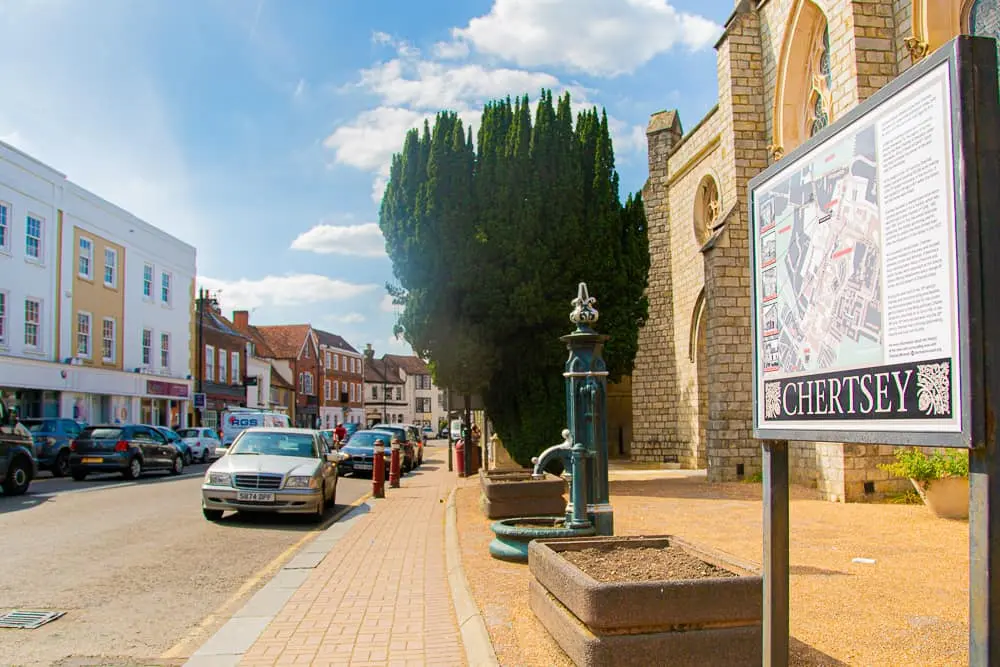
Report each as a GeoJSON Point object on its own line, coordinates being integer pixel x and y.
{"type": "Point", "coordinates": [340, 433]}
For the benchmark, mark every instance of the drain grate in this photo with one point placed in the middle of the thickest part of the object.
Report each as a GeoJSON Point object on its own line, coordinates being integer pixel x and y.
{"type": "Point", "coordinates": [28, 620]}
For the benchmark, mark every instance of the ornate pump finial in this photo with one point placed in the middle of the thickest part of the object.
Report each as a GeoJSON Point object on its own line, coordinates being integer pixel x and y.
{"type": "Point", "coordinates": [584, 314]}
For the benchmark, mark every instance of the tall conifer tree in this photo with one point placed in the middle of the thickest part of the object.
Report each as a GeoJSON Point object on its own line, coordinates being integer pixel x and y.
{"type": "Point", "coordinates": [488, 243]}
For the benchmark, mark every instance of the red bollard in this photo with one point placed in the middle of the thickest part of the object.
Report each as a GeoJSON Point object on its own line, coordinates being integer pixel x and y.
{"type": "Point", "coordinates": [394, 465]}
{"type": "Point", "coordinates": [460, 457]}
{"type": "Point", "coordinates": [378, 471]}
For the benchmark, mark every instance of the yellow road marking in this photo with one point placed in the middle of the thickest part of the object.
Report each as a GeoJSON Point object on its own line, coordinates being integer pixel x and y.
{"type": "Point", "coordinates": [274, 565]}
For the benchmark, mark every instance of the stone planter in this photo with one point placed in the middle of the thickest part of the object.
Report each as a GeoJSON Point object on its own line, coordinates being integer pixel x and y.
{"type": "Point", "coordinates": [947, 497]}
{"type": "Point", "coordinates": [514, 535]}
{"type": "Point", "coordinates": [711, 621]}
{"type": "Point", "coordinates": [510, 494]}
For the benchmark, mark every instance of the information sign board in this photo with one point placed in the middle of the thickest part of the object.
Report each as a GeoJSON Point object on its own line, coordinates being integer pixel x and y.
{"type": "Point", "coordinates": [858, 296]}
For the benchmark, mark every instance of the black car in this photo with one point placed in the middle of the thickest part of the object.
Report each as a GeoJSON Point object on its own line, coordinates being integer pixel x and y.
{"type": "Point", "coordinates": [129, 450]}
{"type": "Point", "coordinates": [17, 460]}
{"type": "Point", "coordinates": [361, 449]}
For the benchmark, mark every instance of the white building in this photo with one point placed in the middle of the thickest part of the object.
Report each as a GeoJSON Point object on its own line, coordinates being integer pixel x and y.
{"type": "Point", "coordinates": [400, 387]}
{"type": "Point", "coordinates": [96, 313]}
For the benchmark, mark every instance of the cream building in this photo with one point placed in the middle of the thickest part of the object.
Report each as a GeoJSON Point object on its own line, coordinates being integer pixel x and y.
{"type": "Point", "coordinates": [95, 304]}
{"type": "Point", "coordinates": [786, 68]}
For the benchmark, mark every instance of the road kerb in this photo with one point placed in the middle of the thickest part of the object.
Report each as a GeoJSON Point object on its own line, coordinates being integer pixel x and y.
{"type": "Point", "coordinates": [268, 570]}
{"type": "Point", "coordinates": [475, 636]}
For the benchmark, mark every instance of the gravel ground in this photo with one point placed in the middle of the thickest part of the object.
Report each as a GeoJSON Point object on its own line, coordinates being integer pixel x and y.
{"type": "Point", "coordinates": [909, 608]}
{"type": "Point", "coordinates": [136, 568]}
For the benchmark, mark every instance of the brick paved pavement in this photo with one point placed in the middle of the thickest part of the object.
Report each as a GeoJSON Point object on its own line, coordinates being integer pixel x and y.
{"type": "Point", "coordinates": [342, 615]}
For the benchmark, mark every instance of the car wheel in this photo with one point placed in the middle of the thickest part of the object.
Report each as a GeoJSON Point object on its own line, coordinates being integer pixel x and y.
{"type": "Point", "coordinates": [321, 508]}
{"type": "Point", "coordinates": [333, 494]}
{"type": "Point", "coordinates": [61, 466]}
{"type": "Point", "coordinates": [18, 477]}
{"type": "Point", "coordinates": [178, 466]}
{"type": "Point", "coordinates": [211, 515]}
{"type": "Point", "coordinates": [204, 455]}
{"type": "Point", "coordinates": [79, 475]}
{"type": "Point", "coordinates": [134, 469]}
{"type": "Point", "coordinates": [187, 458]}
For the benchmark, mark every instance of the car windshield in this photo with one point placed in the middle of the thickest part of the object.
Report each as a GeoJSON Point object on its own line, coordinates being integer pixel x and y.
{"type": "Point", "coordinates": [189, 433]}
{"type": "Point", "coordinates": [275, 444]}
{"type": "Point", "coordinates": [44, 426]}
{"type": "Point", "coordinates": [396, 431]}
{"type": "Point", "coordinates": [367, 439]}
{"type": "Point", "coordinates": [101, 433]}
{"type": "Point", "coordinates": [170, 435]}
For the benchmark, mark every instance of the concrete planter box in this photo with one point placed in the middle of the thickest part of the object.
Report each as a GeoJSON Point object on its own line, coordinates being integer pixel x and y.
{"type": "Point", "coordinates": [694, 622]}
{"type": "Point", "coordinates": [510, 494]}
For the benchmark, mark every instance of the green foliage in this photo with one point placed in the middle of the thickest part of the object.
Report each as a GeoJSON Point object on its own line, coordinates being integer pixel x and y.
{"type": "Point", "coordinates": [908, 497]}
{"type": "Point", "coordinates": [756, 478]}
{"type": "Point", "coordinates": [488, 243]}
{"type": "Point", "coordinates": [918, 466]}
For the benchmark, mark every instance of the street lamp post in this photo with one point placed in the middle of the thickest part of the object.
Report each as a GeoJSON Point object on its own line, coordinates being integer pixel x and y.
{"type": "Point", "coordinates": [201, 353]}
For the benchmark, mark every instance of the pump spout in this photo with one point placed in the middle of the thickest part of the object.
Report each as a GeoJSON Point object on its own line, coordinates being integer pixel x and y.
{"type": "Point", "coordinates": [563, 450]}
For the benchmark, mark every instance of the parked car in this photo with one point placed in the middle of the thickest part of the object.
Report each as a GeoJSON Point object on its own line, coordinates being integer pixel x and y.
{"type": "Point", "coordinates": [409, 440]}
{"type": "Point", "coordinates": [130, 450]}
{"type": "Point", "coordinates": [52, 437]}
{"type": "Point", "coordinates": [443, 433]}
{"type": "Point", "coordinates": [428, 434]}
{"type": "Point", "coordinates": [17, 457]}
{"type": "Point", "coordinates": [202, 441]}
{"type": "Point", "coordinates": [360, 449]}
{"type": "Point", "coordinates": [283, 470]}
{"type": "Point", "coordinates": [351, 428]}
{"type": "Point", "coordinates": [177, 441]}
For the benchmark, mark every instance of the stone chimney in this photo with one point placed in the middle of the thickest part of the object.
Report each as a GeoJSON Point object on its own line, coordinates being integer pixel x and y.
{"type": "Point", "coordinates": [241, 319]}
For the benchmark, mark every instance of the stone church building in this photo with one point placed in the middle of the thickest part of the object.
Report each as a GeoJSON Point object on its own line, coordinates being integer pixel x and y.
{"type": "Point", "coordinates": [786, 68]}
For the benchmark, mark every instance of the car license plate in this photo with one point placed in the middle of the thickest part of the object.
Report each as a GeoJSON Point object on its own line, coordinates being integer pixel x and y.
{"type": "Point", "coordinates": [255, 496]}
{"type": "Point", "coordinates": [92, 460]}
{"type": "Point", "coordinates": [363, 466]}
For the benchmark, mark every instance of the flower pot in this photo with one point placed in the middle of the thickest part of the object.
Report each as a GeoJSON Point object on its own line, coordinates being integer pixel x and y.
{"type": "Point", "coordinates": [947, 497]}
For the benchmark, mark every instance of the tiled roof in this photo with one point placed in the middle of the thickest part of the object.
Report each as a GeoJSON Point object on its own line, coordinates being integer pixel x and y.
{"type": "Point", "coordinates": [382, 371]}
{"type": "Point", "coordinates": [217, 321]}
{"type": "Point", "coordinates": [261, 347]}
{"type": "Point", "coordinates": [411, 364]}
{"type": "Point", "coordinates": [285, 340]}
{"type": "Point", "coordinates": [333, 340]}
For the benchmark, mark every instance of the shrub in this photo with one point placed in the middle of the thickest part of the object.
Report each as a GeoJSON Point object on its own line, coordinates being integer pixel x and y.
{"type": "Point", "coordinates": [919, 467]}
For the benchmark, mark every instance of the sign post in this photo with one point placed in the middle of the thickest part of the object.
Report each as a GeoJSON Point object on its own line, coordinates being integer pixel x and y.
{"type": "Point", "coordinates": [871, 251]}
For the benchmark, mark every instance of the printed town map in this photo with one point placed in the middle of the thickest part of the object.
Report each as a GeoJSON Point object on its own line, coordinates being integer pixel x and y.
{"type": "Point", "coordinates": [820, 262]}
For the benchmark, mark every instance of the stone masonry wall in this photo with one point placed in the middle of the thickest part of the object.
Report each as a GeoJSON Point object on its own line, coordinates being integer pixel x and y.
{"type": "Point", "coordinates": [694, 159]}
{"type": "Point", "coordinates": [731, 447]}
{"type": "Point", "coordinates": [654, 382]}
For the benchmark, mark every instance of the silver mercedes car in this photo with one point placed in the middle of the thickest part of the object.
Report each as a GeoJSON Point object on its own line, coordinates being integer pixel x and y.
{"type": "Point", "coordinates": [285, 470]}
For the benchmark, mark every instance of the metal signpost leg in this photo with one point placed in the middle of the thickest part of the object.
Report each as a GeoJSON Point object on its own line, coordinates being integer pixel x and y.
{"type": "Point", "coordinates": [775, 461]}
{"type": "Point", "coordinates": [984, 554]}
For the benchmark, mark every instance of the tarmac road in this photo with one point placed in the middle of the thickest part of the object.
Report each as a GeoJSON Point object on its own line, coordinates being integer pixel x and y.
{"type": "Point", "coordinates": [134, 565]}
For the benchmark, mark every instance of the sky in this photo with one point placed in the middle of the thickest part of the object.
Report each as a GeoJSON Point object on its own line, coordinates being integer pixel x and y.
{"type": "Point", "coordinates": [261, 131]}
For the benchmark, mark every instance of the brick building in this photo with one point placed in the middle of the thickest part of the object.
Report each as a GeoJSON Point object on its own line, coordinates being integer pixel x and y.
{"type": "Point", "coordinates": [295, 345]}
{"type": "Point", "coordinates": [342, 397]}
{"type": "Point", "coordinates": [786, 68]}
{"type": "Point", "coordinates": [222, 363]}
{"type": "Point", "coordinates": [275, 389]}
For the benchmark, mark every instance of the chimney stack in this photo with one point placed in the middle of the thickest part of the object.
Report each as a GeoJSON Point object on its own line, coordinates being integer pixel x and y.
{"type": "Point", "coordinates": [369, 352]}
{"type": "Point", "coordinates": [241, 319]}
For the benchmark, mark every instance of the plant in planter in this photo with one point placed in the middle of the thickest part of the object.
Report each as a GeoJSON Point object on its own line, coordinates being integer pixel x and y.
{"type": "Point", "coordinates": [942, 480]}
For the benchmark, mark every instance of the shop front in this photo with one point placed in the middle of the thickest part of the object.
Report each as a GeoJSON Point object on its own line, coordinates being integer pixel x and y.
{"type": "Point", "coordinates": [218, 399]}
{"type": "Point", "coordinates": [165, 403]}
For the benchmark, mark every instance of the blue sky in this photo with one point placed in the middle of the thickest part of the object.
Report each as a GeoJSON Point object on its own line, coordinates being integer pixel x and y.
{"type": "Point", "coordinates": [260, 131]}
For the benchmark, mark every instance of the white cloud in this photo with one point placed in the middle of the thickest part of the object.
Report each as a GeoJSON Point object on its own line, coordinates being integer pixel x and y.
{"type": "Point", "coordinates": [288, 290]}
{"type": "Point", "coordinates": [599, 37]}
{"type": "Point", "coordinates": [370, 139]}
{"type": "Point", "coordinates": [398, 345]}
{"type": "Point", "coordinates": [364, 240]}
{"type": "Point", "coordinates": [380, 37]}
{"type": "Point", "coordinates": [387, 306]}
{"type": "Point", "coordinates": [422, 84]}
{"type": "Point", "coordinates": [627, 138]}
{"type": "Point", "coordinates": [451, 50]}
{"type": "Point", "coordinates": [349, 318]}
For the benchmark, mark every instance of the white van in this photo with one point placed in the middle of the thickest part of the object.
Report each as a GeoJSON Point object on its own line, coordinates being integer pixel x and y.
{"type": "Point", "coordinates": [235, 422]}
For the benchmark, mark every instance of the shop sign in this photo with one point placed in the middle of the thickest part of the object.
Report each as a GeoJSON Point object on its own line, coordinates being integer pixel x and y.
{"type": "Point", "coordinates": [169, 389]}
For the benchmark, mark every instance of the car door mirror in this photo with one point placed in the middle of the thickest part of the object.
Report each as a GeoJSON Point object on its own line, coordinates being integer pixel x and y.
{"type": "Point", "coordinates": [221, 451]}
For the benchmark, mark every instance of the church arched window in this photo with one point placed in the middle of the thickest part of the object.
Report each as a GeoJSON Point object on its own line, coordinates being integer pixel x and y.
{"type": "Point", "coordinates": [818, 113]}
